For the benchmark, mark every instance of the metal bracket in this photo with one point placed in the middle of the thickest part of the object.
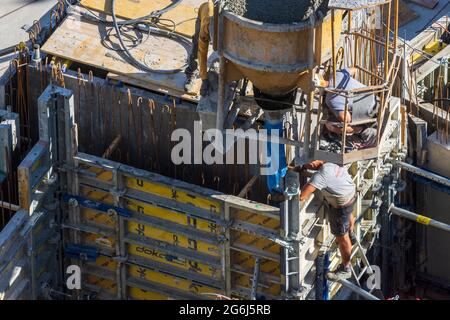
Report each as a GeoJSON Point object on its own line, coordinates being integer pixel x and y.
{"type": "Point", "coordinates": [255, 279]}
{"type": "Point", "coordinates": [118, 193]}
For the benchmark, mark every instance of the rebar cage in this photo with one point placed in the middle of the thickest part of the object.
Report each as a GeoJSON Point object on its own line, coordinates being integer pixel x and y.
{"type": "Point", "coordinates": [367, 47]}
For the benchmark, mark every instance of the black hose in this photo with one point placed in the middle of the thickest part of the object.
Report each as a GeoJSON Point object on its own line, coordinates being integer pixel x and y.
{"type": "Point", "coordinates": [133, 60]}
{"type": "Point", "coordinates": [142, 24]}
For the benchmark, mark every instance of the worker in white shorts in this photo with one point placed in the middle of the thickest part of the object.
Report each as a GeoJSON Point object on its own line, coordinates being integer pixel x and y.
{"type": "Point", "coordinates": [339, 192]}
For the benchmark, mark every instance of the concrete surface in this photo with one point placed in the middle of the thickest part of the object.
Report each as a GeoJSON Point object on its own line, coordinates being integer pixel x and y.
{"type": "Point", "coordinates": [437, 204]}
{"type": "Point", "coordinates": [16, 14]}
{"type": "Point", "coordinates": [412, 29]}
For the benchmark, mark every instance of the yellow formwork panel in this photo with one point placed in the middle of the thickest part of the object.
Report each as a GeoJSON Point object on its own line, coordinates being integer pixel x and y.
{"type": "Point", "coordinates": [432, 49]}
{"type": "Point", "coordinates": [247, 261]}
{"type": "Point", "coordinates": [106, 284]}
{"type": "Point", "coordinates": [182, 263]}
{"type": "Point", "coordinates": [106, 262]}
{"type": "Point", "coordinates": [96, 194]}
{"type": "Point", "coordinates": [242, 259]}
{"type": "Point", "coordinates": [171, 281]}
{"type": "Point", "coordinates": [174, 194]}
{"type": "Point", "coordinates": [246, 282]}
{"type": "Point", "coordinates": [146, 230]}
{"type": "Point", "coordinates": [146, 274]}
{"type": "Point", "coordinates": [173, 238]}
{"type": "Point", "coordinates": [256, 219]}
{"type": "Point", "coordinates": [140, 294]}
{"type": "Point", "coordinates": [264, 244]}
{"type": "Point", "coordinates": [100, 174]}
{"type": "Point", "coordinates": [172, 216]}
{"type": "Point", "coordinates": [97, 217]}
{"type": "Point", "coordinates": [99, 240]}
{"type": "Point", "coordinates": [144, 208]}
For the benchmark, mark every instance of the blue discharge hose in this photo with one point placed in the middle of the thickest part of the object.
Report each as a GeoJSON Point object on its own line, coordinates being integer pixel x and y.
{"type": "Point", "coordinates": [276, 154]}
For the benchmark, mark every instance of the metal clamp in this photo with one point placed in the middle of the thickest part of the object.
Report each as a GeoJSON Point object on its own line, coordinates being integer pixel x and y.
{"type": "Point", "coordinates": [117, 193]}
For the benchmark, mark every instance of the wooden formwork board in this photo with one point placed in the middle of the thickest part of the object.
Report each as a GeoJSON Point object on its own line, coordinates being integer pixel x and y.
{"type": "Point", "coordinates": [86, 42]}
{"type": "Point", "coordinates": [184, 15]}
{"type": "Point", "coordinates": [175, 235]}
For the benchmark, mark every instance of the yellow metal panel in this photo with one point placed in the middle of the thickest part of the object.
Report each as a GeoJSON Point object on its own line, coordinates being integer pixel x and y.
{"type": "Point", "coordinates": [255, 241]}
{"type": "Point", "coordinates": [183, 219]}
{"type": "Point", "coordinates": [173, 238]}
{"type": "Point", "coordinates": [246, 281]}
{"type": "Point", "coordinates": [181, 263]}
{"type": "Point", "coordinates": [96, 194]}
{"type": "Point", "coordinates": [100, 174]}
{"type": "Point", "coordinates": [108, 285]}
{"type": "Point", "coordinates": [106, 262]}
{"type": "Point", "coordinates": [170, 281]}
{"type": "Point", "coordinates": [174, 194]}
{"type": "Point", "coordinates": [97, 217]}
{"type": "Point", "coordinates": [140, 294]}
{"type": "Point", "coordinates": [256, 219]}
{"type": "Point", "coordinates": [247, 261]}
{"type": "Point", "coordinates": [99, 240]}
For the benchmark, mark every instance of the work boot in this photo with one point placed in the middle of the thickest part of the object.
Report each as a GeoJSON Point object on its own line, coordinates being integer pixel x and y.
{"type": "Point", "coordinates": [190, 82]}
{"type": "Point", "coordinates": [352, 237]}
{"type": "Point", "coordinates": [341, 273]}
{"type": "Point", "coordinates": [204, 89]}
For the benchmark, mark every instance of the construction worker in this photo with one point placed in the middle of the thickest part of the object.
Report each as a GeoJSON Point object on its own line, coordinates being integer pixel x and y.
{"type": "Point", "coordinates": [198, 58]}
{"type": "Point", "coordinates": [360, 107]}
{"type": "Point", "coordinates": [339, 193]}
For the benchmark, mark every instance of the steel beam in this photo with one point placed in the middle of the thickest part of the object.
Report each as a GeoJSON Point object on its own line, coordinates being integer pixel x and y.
{"type": "Point", "coordinates": [424, 173]}
{"type": "Point", "coordinates": [419, 218]}
{"type": "Point", "coordinates": [357, 290]}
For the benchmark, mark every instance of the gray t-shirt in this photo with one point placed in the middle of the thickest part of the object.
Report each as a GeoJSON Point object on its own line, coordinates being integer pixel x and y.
{"type": "Point", "coordinates": [363, 103]}
{"type": "Point", "coordinates": [335, 183]}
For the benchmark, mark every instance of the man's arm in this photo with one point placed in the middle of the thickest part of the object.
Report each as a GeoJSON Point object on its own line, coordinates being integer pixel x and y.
{"type": "Point", "coordinates": [341, 117]}
{"type": "Point", "coordinates": [307, 191]}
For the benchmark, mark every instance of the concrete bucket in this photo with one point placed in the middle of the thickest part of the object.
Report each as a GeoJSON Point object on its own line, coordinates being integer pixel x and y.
{"type": "Point", "coordinates": [276, 58]}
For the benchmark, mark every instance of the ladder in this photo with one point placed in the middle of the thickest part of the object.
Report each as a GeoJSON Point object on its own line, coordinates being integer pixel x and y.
{"type": "Point", "coordinates": [358, 251]}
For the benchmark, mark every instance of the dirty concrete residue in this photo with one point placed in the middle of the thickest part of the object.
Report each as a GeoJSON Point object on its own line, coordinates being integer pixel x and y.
{"type": "Point", "coordinates": [276, 11]}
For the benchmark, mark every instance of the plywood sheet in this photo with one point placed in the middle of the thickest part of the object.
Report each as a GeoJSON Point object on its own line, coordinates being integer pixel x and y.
{"type": "Point", "coordinates": [183, 15]}
{"type": "Point", "coordinates": [80, 40]}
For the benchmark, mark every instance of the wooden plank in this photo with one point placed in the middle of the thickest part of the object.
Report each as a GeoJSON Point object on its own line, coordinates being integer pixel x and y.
{"type": "Point", "coordinates": [430, 4]}
{"type": "Point", "coordinates": [161, 89]}
{"type": "Point", "coordinates": [183, 15]}
{"type": "Point", "coordinates": [80, 40]}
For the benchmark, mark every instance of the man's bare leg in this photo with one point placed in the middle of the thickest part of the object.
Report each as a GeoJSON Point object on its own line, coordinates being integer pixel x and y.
{"type": "Point", "coordinates": [352, 223]}
{"type": "Point", "coordinates": [344, 270]}
{"type": "Point", "coordinates": [345, 247]}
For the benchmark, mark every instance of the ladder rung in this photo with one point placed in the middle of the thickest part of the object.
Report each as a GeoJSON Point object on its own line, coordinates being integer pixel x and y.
{"type": "Point", "coordinates": [292, 273]}
{"type": "Point", "coordinates": [362, 273]}
{"type": "Point", "coordinates": [292, 258]}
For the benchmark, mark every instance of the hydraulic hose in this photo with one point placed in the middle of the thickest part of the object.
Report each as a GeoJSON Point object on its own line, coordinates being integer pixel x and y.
{"type": "Point", "coordinates": [141, 24]}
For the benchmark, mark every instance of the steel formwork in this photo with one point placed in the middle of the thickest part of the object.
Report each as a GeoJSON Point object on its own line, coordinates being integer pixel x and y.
{"type": "Point", "coordinates": [141, 235]}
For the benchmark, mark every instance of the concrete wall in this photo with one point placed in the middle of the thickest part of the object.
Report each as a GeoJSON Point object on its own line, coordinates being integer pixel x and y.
{"type": "Point", "coordinates": [438, 205]}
